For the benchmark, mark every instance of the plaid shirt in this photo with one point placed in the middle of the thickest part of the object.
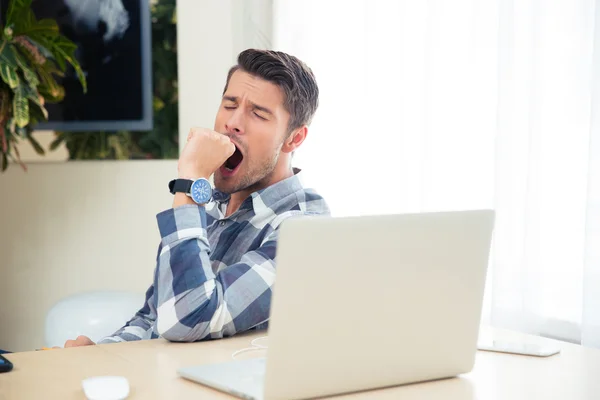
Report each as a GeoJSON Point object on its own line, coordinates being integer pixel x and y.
{"type": "Point", "coordinates": [214, 274]}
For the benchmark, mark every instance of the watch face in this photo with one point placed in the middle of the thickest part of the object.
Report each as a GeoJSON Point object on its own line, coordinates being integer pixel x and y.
{"type": "Point", "coordinates": [201, 191]}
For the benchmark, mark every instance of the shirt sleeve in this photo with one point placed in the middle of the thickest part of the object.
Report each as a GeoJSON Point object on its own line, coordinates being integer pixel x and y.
{"type": "Point", "coordinates": [194, 302]}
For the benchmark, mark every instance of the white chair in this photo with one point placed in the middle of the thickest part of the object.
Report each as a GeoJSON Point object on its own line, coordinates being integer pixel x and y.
{"type": "Point", "coordinates": [93, 314]}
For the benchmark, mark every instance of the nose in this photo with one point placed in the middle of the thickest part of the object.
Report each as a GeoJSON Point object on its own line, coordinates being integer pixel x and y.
{"type": "Point", "coordinates": [235, 123]}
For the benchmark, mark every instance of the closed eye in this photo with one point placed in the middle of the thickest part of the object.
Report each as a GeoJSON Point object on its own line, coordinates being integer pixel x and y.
{"type": "Point", "coordinates": [259, 116]}
{"type": "Point", "coordinates": [230, 107]}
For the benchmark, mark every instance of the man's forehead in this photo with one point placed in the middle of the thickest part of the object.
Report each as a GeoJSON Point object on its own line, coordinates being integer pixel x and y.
{"type": "Point", "coordinates": [253, 88]}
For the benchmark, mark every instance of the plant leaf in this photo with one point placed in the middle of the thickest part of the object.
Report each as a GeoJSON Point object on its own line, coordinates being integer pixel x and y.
{"type": "Point", "coordinates": [41, 48]}
{"type": "Point", "coordinates": [36, 146]}
{"type": "Point", "coordinates": [115, 144]}
{"type": "Point", "coordinates": [3, 137]}
{"type": "Point", "coordinates": [65, 50]}
{"type": "Point", "coordinates": [64, 43]}
{"type": "Point", "coordinates": [83, 146]}
{"type": "Point", "coordinates": [22, 132]}
{"type": "Point", "coordinates": [47, 27]}
{"type": "Point", "coordinates": [7, 33]}
{"type": "Point", "coordinates": [18, 158]}
{"type": "Point", "coordinates": [49, 88]}
{"type": "Point", "coordinates": [52, 95]}
{"type": "Point", "coordinates": [47, 45]}
{"type": "Point", "coordinates": [62, 50]}
{"type": "Point", "coordinates": [23, 20]}
{"type": "Point", "coordinates": [7, 54]}
{"type": "Point", "coordinates": [4, 105]}
{"type": "Point", "coordinates": [157, 103]}
{"type": "Point", "coordinates": [16, 7]}
{"type": "Point", "coordinates": [50, 67]}
{"type": "Point", "coordinates": [11, 126]}
{"type": "Point", "coordinates": [9, 75]}
{"type": "Point", "coordinates": [28, 73]}
{"type": "Point", "coordinates": [60, 138]}
{"type": "Point", "coordinates": [35, 99]}
{"type": "Point", "coordinates": [21, 108]}
{"type": "Point", "coordinates": [37, 113]}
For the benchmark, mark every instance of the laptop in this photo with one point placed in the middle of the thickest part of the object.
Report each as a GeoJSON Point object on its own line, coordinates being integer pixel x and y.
{"type": "Point", "coordinates": [366, 302]}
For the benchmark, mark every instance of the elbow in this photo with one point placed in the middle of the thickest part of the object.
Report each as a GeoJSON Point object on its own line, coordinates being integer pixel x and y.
{"type": "Point", "coordinates": [188, 325]}
{"type": "Point", "coordinates": [189, 329]}
{"type": "Point", "coordinates": [172, 334]}
{"type": "Point", "coordinates": [179, 332]}
{"type": "Point", "coordinates": [176, 336]}
{"type": "Point", "coordinates": [183, 334]}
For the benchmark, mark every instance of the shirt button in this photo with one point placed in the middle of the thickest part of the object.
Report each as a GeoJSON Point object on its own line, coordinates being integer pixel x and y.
{"type": "Point", "coordinates": [222, 223]}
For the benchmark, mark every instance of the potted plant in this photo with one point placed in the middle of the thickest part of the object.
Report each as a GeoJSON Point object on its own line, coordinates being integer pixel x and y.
{"type": "Point", "coordinates": [32, 55]}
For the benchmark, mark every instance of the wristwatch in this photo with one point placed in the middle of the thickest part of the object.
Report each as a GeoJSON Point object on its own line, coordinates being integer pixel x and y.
{"type": "Point", "coordinates": [199, 190]}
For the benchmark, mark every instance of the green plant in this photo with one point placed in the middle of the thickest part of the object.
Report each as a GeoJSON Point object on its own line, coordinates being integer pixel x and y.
{"type": "Point", "coordinates": [32, 54]}
{"type": "Point", "coordinates": [99, 145]}
{"type": "Point", "coordinates": [162, 140]}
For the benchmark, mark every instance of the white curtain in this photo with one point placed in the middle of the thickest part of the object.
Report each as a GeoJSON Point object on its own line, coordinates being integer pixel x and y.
{"type": "Point", "coordinates": [590, 332]}
{"type": "Point", "coordinates": [451, 105]}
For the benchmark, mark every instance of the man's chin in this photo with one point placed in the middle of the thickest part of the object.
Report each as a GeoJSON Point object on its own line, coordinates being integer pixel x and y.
{"type": "Point", "coordinates": [225, 185]}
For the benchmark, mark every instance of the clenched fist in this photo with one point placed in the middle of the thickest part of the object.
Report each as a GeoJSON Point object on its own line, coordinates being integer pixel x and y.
{"type": "Point", "coordinates": [80, 341]}
{"type": "Point", "coordinates": [204, 152]}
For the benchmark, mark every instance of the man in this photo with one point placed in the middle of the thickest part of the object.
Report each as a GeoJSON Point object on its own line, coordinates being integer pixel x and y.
{"type": "Point", "coordinates": [216, 262]}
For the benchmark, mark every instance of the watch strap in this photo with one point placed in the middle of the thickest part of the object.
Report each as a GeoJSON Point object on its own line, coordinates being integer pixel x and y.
{"type": "Point", "coordinates": [180, 186]}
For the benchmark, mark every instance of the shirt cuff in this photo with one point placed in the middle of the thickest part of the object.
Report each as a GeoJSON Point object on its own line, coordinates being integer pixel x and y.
{"type": "Point", "coordinates": [182, 222]}
{"type": "Point", "coordinates": [110, 339]}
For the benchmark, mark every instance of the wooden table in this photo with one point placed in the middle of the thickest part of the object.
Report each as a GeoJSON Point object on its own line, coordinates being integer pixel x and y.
{"type": "Point", "coordinates": [150, 366]}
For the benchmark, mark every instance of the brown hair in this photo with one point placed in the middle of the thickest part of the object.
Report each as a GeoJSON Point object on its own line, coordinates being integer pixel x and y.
{"type": "Point", "coordinates": [290, 74]}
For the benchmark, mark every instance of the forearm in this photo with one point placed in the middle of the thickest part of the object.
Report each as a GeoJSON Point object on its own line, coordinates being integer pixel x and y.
{"type": "Point", "coordinates": [193, 302]}
{"type": "Point", "coordinates": [137, 328]}
{"type": "Point", "coordinates": [185, 280]}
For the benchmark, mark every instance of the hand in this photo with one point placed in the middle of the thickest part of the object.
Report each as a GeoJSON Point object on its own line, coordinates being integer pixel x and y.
{"type": "Point", "coordinates": [204, 152]}
{"type": "Point", "coordinates": [80, 341]}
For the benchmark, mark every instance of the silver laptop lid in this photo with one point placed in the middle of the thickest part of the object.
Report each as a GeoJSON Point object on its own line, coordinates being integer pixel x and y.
{"type": "Point", "coordinates": [369, 302]}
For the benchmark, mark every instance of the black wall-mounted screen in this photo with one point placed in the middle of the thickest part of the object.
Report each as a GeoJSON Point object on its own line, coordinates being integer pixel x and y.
{"type": "Point", "coordinates": [114, 45]}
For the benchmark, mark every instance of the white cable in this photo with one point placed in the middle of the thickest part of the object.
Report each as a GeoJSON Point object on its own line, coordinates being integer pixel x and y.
{"type": "Point", "coordinates": [247, 349]}
{"type": "Point", "coordinates": [258, 345]}
{"type": "Point", "coordinates": [254, 347]}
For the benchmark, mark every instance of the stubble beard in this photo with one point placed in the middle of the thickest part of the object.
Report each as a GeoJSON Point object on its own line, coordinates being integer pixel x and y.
{"type": "Point", "coordinates": [251, 179]}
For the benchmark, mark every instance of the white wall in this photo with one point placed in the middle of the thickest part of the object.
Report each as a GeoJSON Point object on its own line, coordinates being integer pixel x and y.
{"type": "Point", "coordinates": [211, 33]}
{"type": "Point", "coordinates": [67, 228]}
{"type": "Point", "coordinates": [44, 138]}
{"type": "Point", "coordinates": [205, 47]}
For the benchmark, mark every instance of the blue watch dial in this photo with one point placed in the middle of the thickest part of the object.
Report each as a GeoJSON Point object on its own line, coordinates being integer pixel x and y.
{"type": "Point", "coordinates": [201, 191]}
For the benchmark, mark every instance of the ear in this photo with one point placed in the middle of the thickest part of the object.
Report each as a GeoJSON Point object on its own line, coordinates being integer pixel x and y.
{"type": "Point", "coordinates": [295, 139]}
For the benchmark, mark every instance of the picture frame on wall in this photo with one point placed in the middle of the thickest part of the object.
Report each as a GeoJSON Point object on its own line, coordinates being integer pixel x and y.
{"type": "Point", "coordinates": [114, 50]}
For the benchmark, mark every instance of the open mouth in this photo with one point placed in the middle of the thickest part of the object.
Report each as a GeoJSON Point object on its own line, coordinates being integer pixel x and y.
{"type": "Point", "coordinates": [233, 162]}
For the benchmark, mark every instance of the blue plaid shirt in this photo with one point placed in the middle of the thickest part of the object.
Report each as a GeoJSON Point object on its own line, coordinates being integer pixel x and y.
{"type": "Point", "coordinates": [214, 274]}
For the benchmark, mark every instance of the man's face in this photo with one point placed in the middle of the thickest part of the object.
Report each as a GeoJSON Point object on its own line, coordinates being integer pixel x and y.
{"type": "Point", "coordinates": [252, 114]}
